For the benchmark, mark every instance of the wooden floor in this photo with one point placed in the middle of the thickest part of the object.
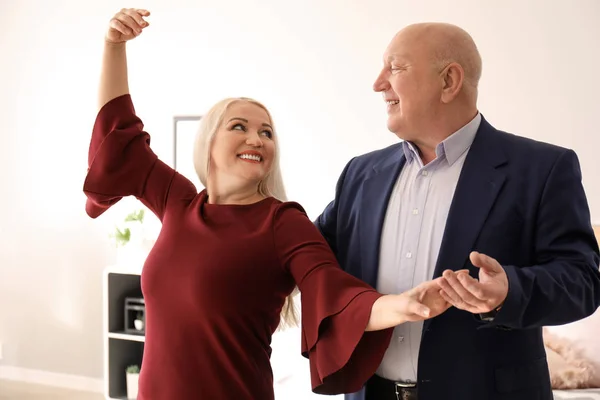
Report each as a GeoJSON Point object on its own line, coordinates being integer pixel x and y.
{"type": "Point", "coordinates": [10, 390]}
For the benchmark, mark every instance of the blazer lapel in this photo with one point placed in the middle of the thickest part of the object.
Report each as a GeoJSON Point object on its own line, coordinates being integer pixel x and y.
{"type": "Point", "coordinates": [476, 191]}
{"type": "Point", "coordinates": [376, 192]}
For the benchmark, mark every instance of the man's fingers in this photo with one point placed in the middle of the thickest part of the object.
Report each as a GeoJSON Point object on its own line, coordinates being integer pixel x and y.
{"type": "Point", "coordinates": [449, 291]}
{"type": "Point", "coordinates": [453, 280]}
{"type": "Point", "coordinates": [473, 286]}
{"type": "Point", "coordinates": [446, 297]}
{"type": "Point", "coordinates": [462, 306]}
{"type": "Point", "coordinates": [485, 262]}
{"type": "Point", "coordinates": [467, 293]}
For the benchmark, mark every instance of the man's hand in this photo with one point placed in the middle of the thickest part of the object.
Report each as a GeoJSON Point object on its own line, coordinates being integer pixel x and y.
{"type": "Point", "coordinates": [476, 296]}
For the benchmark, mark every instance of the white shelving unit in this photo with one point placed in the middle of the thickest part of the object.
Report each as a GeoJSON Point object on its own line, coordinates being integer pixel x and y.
{"type": "Point", "coordinates": [121, 349]}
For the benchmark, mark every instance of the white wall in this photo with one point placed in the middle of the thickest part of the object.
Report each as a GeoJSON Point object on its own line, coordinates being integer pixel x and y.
{"type": "Point", "coordinates": [312, 62]}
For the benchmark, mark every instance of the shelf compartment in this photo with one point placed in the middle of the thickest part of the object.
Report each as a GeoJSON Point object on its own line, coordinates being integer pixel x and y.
{"type": "Point", "coordinates": [121, 354]}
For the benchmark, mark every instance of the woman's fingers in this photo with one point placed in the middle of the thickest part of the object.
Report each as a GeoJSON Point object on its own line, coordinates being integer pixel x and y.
{"type": "Point", "coordinates": [119, 26]}
{"type": "Point", "coordinates": [137, 16]}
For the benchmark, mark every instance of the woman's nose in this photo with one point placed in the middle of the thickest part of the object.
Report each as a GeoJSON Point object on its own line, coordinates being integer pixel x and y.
{"type": "Point", "coordinates": [254, 140]}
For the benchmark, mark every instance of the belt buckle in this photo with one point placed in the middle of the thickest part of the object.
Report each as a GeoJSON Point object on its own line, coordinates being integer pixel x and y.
{"type": "Point", "coordinates": [403, 385]}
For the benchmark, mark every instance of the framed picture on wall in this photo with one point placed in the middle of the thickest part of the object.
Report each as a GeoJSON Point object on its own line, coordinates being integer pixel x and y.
{"type": "Point", "coordinates": [184, 135]}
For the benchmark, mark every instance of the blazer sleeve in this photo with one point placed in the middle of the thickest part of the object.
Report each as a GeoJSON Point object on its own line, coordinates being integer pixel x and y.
{"type": "Point", "coordinates": [564, 284]}
{"type": "Point", "coordinates": [327, 221]}
{"type": "Point", "coordinates": [335, 305]}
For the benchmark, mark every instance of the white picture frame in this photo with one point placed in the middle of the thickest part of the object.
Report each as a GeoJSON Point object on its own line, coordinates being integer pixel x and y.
{"type": "Point", "coordinates": [185, 128]}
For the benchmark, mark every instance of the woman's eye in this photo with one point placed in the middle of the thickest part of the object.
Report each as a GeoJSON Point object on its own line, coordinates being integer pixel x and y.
{"type": "Point", "coordinates": [238, 127]}
{"type": "Point", "coordinates": [268, 134]}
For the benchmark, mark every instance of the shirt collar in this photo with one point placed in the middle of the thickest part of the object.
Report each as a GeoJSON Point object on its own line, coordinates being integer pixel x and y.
{"type": "Point", "coordinates": [452, 147]}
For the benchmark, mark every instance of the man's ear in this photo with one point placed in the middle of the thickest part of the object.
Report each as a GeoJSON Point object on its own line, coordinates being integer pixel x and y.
{"type": "Point", "coordinates": [452, 81]}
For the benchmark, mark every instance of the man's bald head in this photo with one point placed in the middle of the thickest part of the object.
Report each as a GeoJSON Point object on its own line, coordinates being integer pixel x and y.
{"type": "Point", "coordinates": [429, 80]}
{"type": "Point", "coordinates": [445, 43]}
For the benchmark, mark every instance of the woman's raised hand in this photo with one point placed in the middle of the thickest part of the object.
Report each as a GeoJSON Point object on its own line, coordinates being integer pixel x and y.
{"type": "Point", "coordinates": [127, 24]}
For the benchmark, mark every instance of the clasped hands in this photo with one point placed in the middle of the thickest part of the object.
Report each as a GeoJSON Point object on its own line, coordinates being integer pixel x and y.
{"type": "Point", "coordinates": [459, 289]}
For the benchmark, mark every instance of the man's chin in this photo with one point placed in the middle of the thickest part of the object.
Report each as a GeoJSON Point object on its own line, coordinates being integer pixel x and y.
{"type": "Point", "coordinates": [394, 126]}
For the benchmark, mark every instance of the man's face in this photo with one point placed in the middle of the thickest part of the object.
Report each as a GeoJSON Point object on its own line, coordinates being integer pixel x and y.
{"type": "Point", "coordinates": [410, 85]}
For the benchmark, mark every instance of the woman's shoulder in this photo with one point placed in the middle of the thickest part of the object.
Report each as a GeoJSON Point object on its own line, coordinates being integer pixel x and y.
{"type": "Point", "coordinates": [288, 210]}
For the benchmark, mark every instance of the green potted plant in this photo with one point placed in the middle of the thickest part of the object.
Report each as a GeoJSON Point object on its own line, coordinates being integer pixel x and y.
{"type": "Point", "coordinates": [133, 374]}
{"type": "Point", "coordinates": [133, 222]}
{"type": "Point", "coordinates": [129, 238]}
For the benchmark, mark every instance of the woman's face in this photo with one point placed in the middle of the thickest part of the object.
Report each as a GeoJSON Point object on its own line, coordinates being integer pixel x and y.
{"type": "Point", "coordinates": [243, 148]}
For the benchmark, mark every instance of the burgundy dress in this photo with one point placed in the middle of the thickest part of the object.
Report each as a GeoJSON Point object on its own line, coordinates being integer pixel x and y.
{"type": "Point", "coordinates": [217, 277]}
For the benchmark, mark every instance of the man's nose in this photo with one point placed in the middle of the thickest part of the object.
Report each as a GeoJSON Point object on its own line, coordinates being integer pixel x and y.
{"type": "Point", "coordinates": [381, 83]}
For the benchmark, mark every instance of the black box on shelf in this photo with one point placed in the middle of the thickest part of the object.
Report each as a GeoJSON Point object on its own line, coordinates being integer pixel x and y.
{"type": "Point", "coordinates": [135, 315]}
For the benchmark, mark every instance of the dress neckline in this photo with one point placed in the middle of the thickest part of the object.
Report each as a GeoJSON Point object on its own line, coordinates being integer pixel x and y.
{"type": "Point", "coordinates": [205, 203]}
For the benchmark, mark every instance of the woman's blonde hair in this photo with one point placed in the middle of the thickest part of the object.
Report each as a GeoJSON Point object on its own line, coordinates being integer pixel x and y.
{"type": "Point", "coordinates": [271, 186]}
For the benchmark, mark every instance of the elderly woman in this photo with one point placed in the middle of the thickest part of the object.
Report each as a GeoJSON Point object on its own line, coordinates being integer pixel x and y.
{"type": "Point", "coordinates": [227, 259]}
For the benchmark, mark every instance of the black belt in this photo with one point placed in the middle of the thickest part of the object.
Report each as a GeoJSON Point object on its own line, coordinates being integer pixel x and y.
{"type": "Point", "coordinates": [378, 388]}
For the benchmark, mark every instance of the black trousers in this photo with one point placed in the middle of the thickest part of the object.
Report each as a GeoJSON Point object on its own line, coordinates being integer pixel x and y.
{"type": "Point", "coordinates": [378, 388]}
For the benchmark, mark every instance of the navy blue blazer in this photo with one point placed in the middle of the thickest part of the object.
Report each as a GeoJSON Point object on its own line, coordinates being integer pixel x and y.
{"type": "Point", "coordinates": [517, 200]}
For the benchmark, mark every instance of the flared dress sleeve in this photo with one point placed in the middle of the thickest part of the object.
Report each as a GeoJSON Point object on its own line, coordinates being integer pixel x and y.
{"type": "Point", "coordinates": [121, 163]}
{"type": "Point", "coordinates": [336, 307]}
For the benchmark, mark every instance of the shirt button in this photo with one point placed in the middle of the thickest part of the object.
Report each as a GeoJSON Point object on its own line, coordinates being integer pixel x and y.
{"type": "Point", "coordinates": [408, 255]}
{"type": "Point", "coordinates": [425, 173]}
{"type": "Point", "coordinates": [415, 211]}
{"type": "Point", "coordinates": [401, 338]}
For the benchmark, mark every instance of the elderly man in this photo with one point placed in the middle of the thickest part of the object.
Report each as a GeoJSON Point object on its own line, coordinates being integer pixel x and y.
{"type": "Point", "coordinates": [457, 193]}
